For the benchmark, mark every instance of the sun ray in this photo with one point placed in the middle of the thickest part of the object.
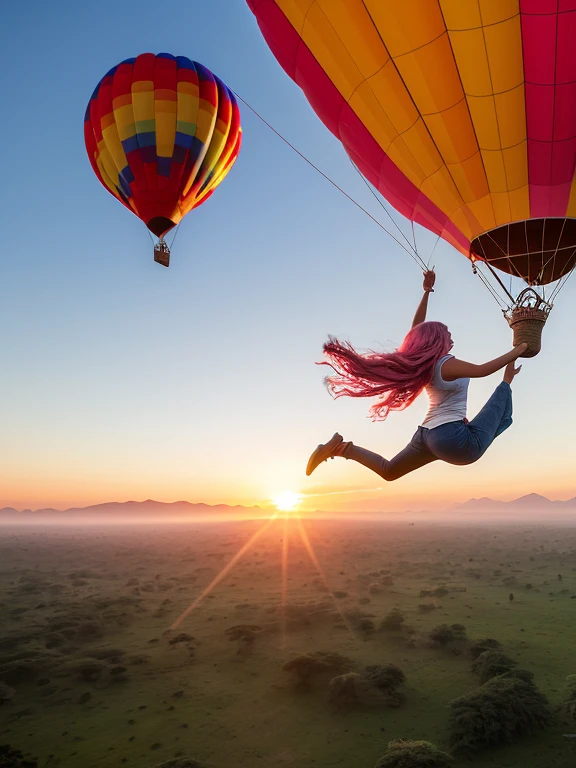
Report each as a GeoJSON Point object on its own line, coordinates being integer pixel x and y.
{"type": "Point", "coordinates": [223, 573]}
{"type": "Point", "coordinates": [284, 581]}
{"type": "Point", "coordinates": [312, 555]}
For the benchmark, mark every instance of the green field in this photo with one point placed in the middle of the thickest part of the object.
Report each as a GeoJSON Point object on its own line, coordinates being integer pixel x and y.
{"type": "Point", "coordinates": [85, 648]}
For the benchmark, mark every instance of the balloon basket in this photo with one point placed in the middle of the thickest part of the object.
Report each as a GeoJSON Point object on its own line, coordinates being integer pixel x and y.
{"type": "Point", "coordinates": [162, 253]}
{"type": "Point", "coordinates": [527, 319]}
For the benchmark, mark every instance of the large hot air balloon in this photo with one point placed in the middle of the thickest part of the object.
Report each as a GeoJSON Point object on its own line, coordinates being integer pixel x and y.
{"type": "Point", "coordinates": [462, 113]}
{"type": "Point", "coordinates": [161, 133]}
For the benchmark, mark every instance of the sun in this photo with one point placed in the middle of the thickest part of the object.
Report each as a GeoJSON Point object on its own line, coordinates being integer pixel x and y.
{"type": "Point", "coordinates": [287, 501]}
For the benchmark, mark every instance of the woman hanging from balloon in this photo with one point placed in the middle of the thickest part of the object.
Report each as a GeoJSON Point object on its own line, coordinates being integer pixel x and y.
{"type": "Point", "coordinates": [421, 362]}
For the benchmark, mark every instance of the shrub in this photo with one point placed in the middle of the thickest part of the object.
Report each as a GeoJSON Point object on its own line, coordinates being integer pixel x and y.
{"type": "Point", "coordinates": [303, 668]}
{"type": "Point", "coordinates": [426, 607]}
{"type": "Point", "coordinates": [413, 754]}
{"type": "Point", "coordinates": [346, 690]}
{"type": "Point", "coordinates": [384, 677]}
{"type": "Point", "coordinates": [491, 664]}
{"type": "Point", "coordinates": [393, 620]}
{"type": "Point", "coordinates": [87, 670]}
{"type": "Point", "coordinates": [486, 644]}
{"type": "Point", "coordinates": [500, 712]}
{"type": "Point", "coordinates": [182, 637]}
{"type": "Point", "coordinates": [366, 626]}
{"type": "Point", "coordinates": [14, 758]}
{"type": "Point", "coordinates": [569, 697]}
{"type": "Point", "coordinates": [6, 693]}
{"type": "Point", "coordinates": [181, 762]}
{"type": "Point", "coordinates": [245, 635]}
{"type": "Point", "coordinates": [442, 634]}
{"type": "Point", "coordinates": [375, 685]}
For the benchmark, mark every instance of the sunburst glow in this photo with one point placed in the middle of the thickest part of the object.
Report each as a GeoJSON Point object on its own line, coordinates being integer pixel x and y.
{"type": "Point", "coordinates": [287, 501]}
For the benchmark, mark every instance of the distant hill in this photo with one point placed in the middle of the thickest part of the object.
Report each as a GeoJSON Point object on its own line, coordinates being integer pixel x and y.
{"type": "Point", "coordinates": [133, 511]}
{"type": "Point", "coordinates": [531, 508]}
{"type": "Point", "coordinates": [533, 501]}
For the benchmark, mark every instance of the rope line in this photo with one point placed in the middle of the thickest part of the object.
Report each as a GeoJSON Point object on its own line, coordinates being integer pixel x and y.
{"type": "Point", "coordinates": [412, 256]}
{"type": "Point", "coordinates": [411, 248]}
{"type": "Point", "coordinates": [175, 235]}
{"type": "Point", "coordinates": [381, 204]}
{"type": "Point", "coordinates": [501, 304]}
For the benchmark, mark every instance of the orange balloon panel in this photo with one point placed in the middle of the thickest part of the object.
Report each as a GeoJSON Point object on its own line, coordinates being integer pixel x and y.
{"type": "Point", "coordinates": [461, 112]}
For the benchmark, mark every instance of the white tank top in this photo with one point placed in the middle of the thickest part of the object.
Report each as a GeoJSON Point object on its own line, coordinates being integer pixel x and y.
{"type": "Point", "coordinates": [448, 399]}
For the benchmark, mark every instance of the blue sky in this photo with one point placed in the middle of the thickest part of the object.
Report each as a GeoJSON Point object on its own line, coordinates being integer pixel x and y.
{"type": "Point", "coordinates": [122, 379]}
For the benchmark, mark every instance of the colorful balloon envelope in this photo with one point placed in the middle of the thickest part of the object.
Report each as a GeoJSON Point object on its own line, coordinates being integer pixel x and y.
{"type": "Point", "coordinates": [462, 113]}
{"type": "Point", "coordinates": [161, 133]}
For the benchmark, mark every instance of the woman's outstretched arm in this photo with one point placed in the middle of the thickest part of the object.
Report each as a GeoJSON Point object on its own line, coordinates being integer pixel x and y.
{"type": "Point", "coordinates": [459, 369]}
{"type": "Point", "coordinates": [429, 280]}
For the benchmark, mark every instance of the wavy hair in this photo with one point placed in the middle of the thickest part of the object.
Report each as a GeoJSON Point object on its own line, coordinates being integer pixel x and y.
{"type": "Point", "coordinates": [397, 378]}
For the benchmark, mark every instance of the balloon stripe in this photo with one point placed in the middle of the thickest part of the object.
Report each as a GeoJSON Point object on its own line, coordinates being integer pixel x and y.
{"type": "Point", "coordinates": [548, 39]}
{"type": "Point", "coordinates": [158, 136]}
{"type": "Point", "coordinates": [299, 62]}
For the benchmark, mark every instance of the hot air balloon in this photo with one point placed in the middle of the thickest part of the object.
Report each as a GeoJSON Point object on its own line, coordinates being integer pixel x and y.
{"type": "Point", "coordinates": [161, 133]}
{"type": "Point", "coordinates": [461, 113]}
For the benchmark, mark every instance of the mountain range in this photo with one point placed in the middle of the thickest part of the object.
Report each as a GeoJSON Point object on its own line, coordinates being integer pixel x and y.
{"type": "Point", "coordinates": [529, 508]}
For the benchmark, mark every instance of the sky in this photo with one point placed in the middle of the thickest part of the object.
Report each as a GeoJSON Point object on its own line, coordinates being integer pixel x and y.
{"type": "Point", "coordinates": [124, 380]}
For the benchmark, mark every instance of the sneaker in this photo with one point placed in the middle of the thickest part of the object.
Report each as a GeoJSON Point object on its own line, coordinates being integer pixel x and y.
{"type": "Point", "coordinates": [323, 452]}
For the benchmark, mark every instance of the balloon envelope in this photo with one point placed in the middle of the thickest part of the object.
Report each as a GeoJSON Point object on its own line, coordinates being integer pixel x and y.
{"type": "Point", "coordinates": [161, 133]}
{"type": "Point", "coordinates": [462, 113]}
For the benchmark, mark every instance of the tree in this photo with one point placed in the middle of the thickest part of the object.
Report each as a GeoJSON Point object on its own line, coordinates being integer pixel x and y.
{"type": "Point", "coordinates": [491, 664]}
{"type": "Point", "coordinates": [413, 754]}
{"type": "Point", "coordinates": [499, 712]}
{"type": "Point", "coordinates": [442, 634]}
{"type": "Point", "coordinates": [486, 644]}
{"type": "Point", "coordinates": [394, 620]}
{"type": "Point", "coordinates": [245, 635]}
{"type": "Point", "coordinates": [511, 597]}
{"type": "Point", "coordinates": [384, 677]}
{"type": "Point", "coordinates": [346, 690]}
{"type": "Point", "coordinates": [366, 627]}
{"type": "Point", "coordinates": [569, 697]}
{"type": "Point", "coordinates": [308, 665]}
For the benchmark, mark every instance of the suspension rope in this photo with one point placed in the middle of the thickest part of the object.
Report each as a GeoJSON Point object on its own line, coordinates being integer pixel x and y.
{"type": "Point", "coordinates": [432, 253]}
{"type": "Point", "coordinates": [412, 256]}
{"type": "Point", "coordinates": [381, 204]}
{"type": "Point", "coordinates": [494, 273]}
{"type": "Point", "coordinates": [501, 304]}
{"type": "Point", "coordinates": [414, 236]}
{"type": "Point", "coordinates": [563, 280]}
{"type": "Point", "coordinates": [175, 235]}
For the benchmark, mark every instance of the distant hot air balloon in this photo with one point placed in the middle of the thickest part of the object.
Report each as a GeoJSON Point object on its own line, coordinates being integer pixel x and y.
{"type": "Point", "coordinates": [462, 113]}
{"type": "Point", "coordinates": [161, 133]}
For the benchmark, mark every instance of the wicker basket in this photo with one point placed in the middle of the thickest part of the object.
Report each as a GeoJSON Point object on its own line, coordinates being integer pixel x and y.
{"type": "Point", "coordinates": [527, 325]}
{"type": "Point", "coordinates": [162, 253]}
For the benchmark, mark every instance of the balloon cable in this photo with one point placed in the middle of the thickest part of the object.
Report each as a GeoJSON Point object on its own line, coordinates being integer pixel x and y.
{"type": "Point", "coordinates": [415, 258]}
{"type": "Point", "coordinates": [386, 211]}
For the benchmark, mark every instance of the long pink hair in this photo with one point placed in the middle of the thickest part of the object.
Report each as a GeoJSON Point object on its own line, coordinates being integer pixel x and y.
{"type": "Point", "coordinates": [398, 376]}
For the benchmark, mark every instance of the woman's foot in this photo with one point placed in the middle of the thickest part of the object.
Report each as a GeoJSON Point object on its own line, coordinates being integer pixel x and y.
{"type": "Point", "coordinates": [510, 371]}
{"type": "Point", "coordinates": [324, 452]}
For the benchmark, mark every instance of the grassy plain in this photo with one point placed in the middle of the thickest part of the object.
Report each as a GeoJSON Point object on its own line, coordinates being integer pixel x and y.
{"type": "Point", "coordinates": [98, 680]}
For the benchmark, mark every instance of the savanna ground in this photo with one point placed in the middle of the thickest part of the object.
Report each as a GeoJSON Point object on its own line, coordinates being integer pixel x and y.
{"type": "Point", "coordinates": [96, 679]}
